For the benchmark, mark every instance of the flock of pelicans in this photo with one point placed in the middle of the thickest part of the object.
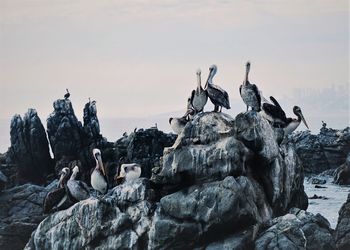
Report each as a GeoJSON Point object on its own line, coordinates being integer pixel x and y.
{"type": "Point", "coordinates": [251, 96]}
{"type": "Point", "coordinates": [70, 190]}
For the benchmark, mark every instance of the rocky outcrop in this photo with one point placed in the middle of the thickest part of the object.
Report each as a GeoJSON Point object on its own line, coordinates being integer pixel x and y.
{"type": "Point", "coordinates": [326, 150]}
{"type": "Point", "coordinates": [29, 148]}
{"type": "Point", "coordinates": [20, 214]}
{"type": "Point", "coordinates": [342, 231]}
{"type": "Point", "coordinates": [296, 230]}
{"type": "Point", "coordinates": [342, 173]}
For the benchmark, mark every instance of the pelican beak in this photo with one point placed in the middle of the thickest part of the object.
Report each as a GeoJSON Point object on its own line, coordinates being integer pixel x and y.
{"type": "Point", "coordinates": [303, 119]}
{"type": "Point", "coordinates": [100, 164]}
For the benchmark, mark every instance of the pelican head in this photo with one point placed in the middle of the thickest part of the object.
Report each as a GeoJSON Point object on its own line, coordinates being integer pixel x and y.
{"type": "Point", "coordinates": [130, 171]}
{"type": "Point", "coordinates": [63, 176]}
{"type": "Point", "coordinates": [247, 71]}
{"type": "Point", "coordinates": [213, 68]}
{"type": "Point", "coordinates": [170, 119]}
{"type": "Point", "coordinates": [74, 173]}
{"type": "Point", "coordinates": [297, 112]}
{"type": "Point", "coordinates": [98, 158]}
{"type": "Point", "coordinates": [67, 90]}
{"type": "Point", "coordinates": [199, 72]}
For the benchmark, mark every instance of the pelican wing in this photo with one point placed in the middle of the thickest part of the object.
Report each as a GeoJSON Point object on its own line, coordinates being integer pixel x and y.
{"type": "Point", "coordinates": [274, 111]}
{"type": "Point", "coordinates": [257, 94]}
{"type": "Point", "coordinates": [275, 102]}
{"type": "Point", "coordinates": [53, 198]}
{"type": "Point", "coordinates": [78, 190]}
{"type": "Point", "coordinates": [218, 96]}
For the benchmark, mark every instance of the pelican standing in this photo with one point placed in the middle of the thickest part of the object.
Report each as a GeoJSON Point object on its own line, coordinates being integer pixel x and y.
{"type": "Point", "coordinates": [56, 198]}
{"type": "Point", "coordinates": [67, 95]}
{"type": "Point", "coordinates": [274, 113]}
{"type": "Point", "coordinates": [129, 172]}
{"type": "Point", "coordinates": [77, 189]}
{"type": "Point", "coordinates": [292, 123]}
{"type": "Point", "coordinates": [249, 92]}
{"type": "Point", "coordinates": [98, 176]}
{"type": "Point", "coordinates": [199, 96]}
{"type": "Point", "coordinates": [217, 95]}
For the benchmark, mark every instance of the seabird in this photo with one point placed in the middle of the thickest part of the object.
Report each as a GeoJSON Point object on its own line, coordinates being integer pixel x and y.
{"type": "Point", "coordinates": [98, 176]}
{"type": "Point", "coordinates": [249, 92]}
{"type": "Point", "coordinates": [77, 189]}
{"type": "Point", "coordinates": [178, 124]}
{"type": "Point", "coordinates": [292, 123]}
{"type": "Point", "coordinates": [129, 172]}
{"type": "Point", "coordinates": [67, 95]}
{"type": "Point", "coordinates": [199, 96]}
{"type": "Point", "coordinates": [217, 95]}
{"type": "Point", "coordinates": [56, 198]}
{"type": "Point", "coordinates": [274, 113]}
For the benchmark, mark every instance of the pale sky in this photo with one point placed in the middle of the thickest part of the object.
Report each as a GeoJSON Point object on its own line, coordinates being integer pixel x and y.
{"type": "Point", "coordinates": [139, 58]}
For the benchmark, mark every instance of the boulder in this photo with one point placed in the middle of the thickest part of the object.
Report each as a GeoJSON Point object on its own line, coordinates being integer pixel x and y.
{"type": "Point", "coordinates": [342, 173]}
{"type": "Point", "coordinates": [29, 148]}
{"type": "Point", "coordinates": [296, 230]}
{"type": "Point", "coordinates": [342, 231]}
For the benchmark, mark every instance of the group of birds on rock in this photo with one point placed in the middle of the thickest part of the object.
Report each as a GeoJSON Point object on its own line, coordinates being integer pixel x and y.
{"type": "Point", "coordinates": [250, 95]}
{"type": "Point", "coordinates": [69, 190]}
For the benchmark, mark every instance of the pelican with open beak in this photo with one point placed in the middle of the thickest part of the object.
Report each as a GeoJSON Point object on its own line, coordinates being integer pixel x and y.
{"type": "Point", "coordinates": [98, 176]}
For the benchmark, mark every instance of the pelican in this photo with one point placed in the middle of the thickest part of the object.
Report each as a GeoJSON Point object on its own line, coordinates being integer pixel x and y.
{"type": "Point", "coordinates": [98, 176]}
{"type": "Point", "coordinates": [199, 96]}
{"type": "Point", "coordinates": [67, 95]}
{"type": "Point", "coordinates": [273, 113]}
{"type": "Point", "coordinates": [217, 95]}
{"type": "Point", "coordinates": [129, 172]}
{"type": "Point", "coordinates": [178, 124]}
{"type": "Point", "coordinates": [77, 189]}
{"type": "Point", "coordinates": [56, 198]}
{"type": "Point", "coordinates": [292, 123]}
{"type": "Point", "coordinates": [249, 92]}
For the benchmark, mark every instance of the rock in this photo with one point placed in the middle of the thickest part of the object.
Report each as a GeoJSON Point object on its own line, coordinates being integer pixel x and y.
{"type": "Point", "coordinates": [91, 124]}
{"type": "Point", "coordinates": [318, 197]}
{"type": "Point", "coordinates": [342, 231]}
{"type": "Point", "coordinates": [3, 181]}
{"type": "Point", "coordinates": [342, 174]}
{"type": "Point", "coordinates": [318, 186]}
{"type": "Point", "coordinates": [20, 213]}
{"type": "Point", "coordinates": [29, 148]}
{"type": "Point", "coordinates": [316, 180]}
{"type": "Point", "coordinates": [296, 230]}
{"type": "Point", "coordinates": [240, 241]}
{"type": "Point", "coordinates": [326, 150]}
{"type": "Point", "coordinates": [119, 220]}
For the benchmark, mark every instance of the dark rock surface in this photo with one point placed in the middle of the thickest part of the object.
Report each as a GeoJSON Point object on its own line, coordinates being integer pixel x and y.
{"type": "Point", "coordinates": [296, 230]}
{"type": "Point", "coordinates": [20, 214]}
{"type": "Point", "coordinates": [29, 149]}
{"type": "Point", "coordinates": [342, 231]}
{"type": "Point", "coordinates": [323, 151]}
{"type": "Point", "coordinates": [342, 173]}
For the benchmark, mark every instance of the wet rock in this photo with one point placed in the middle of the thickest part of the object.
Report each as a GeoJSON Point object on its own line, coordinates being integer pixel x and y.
{"type": "Point", "coordinates": [323, 151]}
{"type": "Point", "coordinates": [91, 123]}
{"type": "Point", "coordinates": [20, 213]}
{"type": "Point", "coordinates": [342, 174]}
{"type": "Point", "coordinates": [318, 197]}
{"type": "Point", "coordinates": [29, 148]}
{"type": "Point", "coordinates": [318, 186]}
{"type": "Point", "coordinates": [240, 241]}
{"type": "Point", "coordinates": [342, 231]}
{"type": "Point", "coordinates": [297, 230]}
{"type": "Point", "coordinates": [316, 180]}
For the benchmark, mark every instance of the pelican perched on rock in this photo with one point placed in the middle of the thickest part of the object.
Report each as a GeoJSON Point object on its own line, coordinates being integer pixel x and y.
{"type": "Point", "coordinates": [249, 92]}
{"type": "Point", "coordinates": [292, 123]}
{"type": "Point", "coordinates": [129, 172]}
{"type": "Point", "coordinates": [77, 189]}
{"type": "Point", "coordinates": [98, 176]}
{"type": "Point", "coordinates": [274, 113]}
{"type": "Point", "coordinates": [199, 96]}
{"type": "Point", "coordinates": [217, 95]}
{"type": "Point", "coordinates": [178, 124]}
{"type": "Point", "coordinates": [67, 95]}
{"type": "Point", "coordinates": [57, 197]}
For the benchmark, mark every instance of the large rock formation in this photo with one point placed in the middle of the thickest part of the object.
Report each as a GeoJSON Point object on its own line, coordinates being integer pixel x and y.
{"type": "Point", "coordinates": [342, 173]}
{"type": "Point", "coordinates": [212, 187]}
{"type": "Point", "coordinates": [20, 213]}
{"type": "Point", "coordinates": [342, 231]}
{"type": "Point", "coordinates": [29, 148]}
{"type": "Point", "coordinates": [326, 150]}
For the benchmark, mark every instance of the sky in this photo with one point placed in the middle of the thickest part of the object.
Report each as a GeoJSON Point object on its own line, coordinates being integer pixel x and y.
{"type": "Point", "coordinates": [139, 58]}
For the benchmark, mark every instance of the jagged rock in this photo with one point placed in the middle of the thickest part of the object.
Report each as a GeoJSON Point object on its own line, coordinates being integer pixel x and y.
{"type": "Point", "coordinates": [20, 213]}
{"type": "Point", "coordinates": [316, 180]}
{"type": "Point", "coordinates": [342, 231]}
{"type": "Point", "coordinates": [119, 220]}
{"type": "Point", "coordinates": [328, 149]}
{"type": "Point", "coordinates": [296, 230]}
{"type": "Point", "coordinates": [240, 241]}
{"type": "Point", "coordinates": [29, 148]}
{"type": "Point", "coordinates": [3, 180]}
{"type": "Point", "coordinates": [201, 214]}
{"type": "Point", "coordinates": [91, 124]}
{"type": "Point", "coordinates": [342, 173]}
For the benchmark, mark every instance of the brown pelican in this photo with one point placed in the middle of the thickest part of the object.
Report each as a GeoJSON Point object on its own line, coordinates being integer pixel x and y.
{"type": "Point", "coordinates": [217, 95]}
{"type": "Point", "coordinates": [199, 96]}
{"type": "Point", "coordinates": [129, 172]}
{"type": "Point", "coordinates": [67, 95]}
{"type": "Point", "coordinates": [98, 176]}
{"type": "Point", "coordinates": [274, 113]}
{"type": "Point", "coordinates": [178, 124]}
{"type": "Point", "coordinates": [57, 197]}
{"type": "Point", "coordinates": [77, 189]}
{"type": "Point", "coordinates": [249, 92]}
{"type": "Point", "coordinates": [292, 123]}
